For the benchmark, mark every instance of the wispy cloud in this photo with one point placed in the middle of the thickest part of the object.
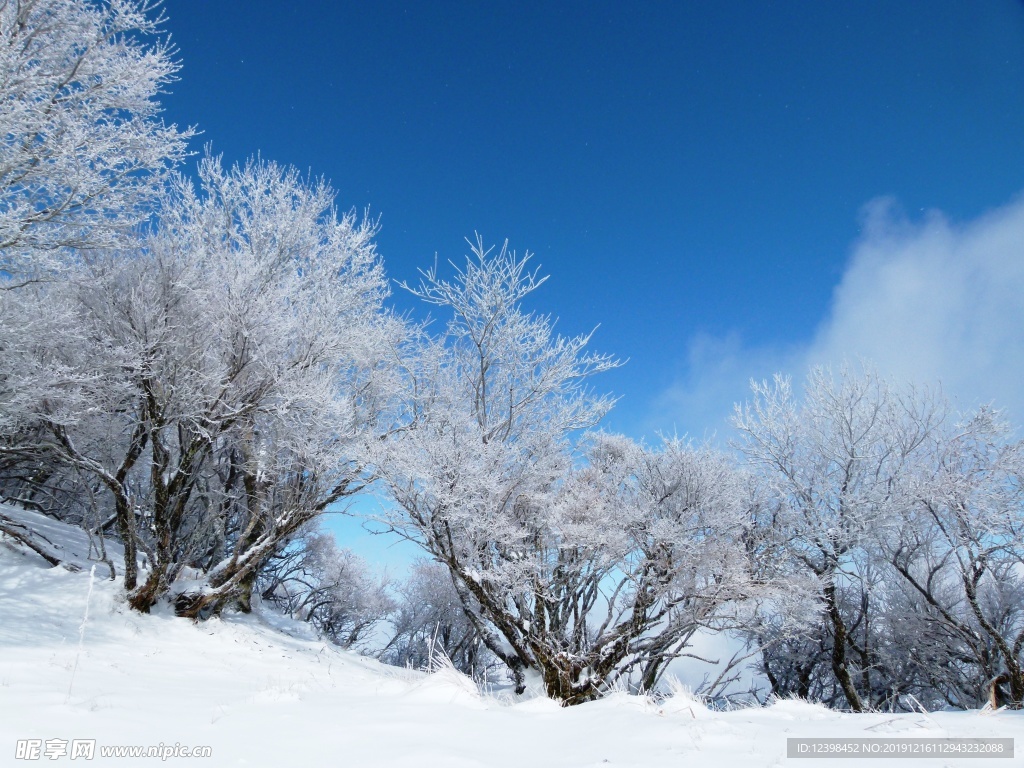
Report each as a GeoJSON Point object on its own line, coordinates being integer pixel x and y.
{"type": "Point", "coordinates": [928, 301]}
{"type": "Point", "coordinates": [715, 376]}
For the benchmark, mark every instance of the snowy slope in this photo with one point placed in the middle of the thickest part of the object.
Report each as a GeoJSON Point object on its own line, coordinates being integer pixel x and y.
{"type": "Point", "coordinates": [261, 692]}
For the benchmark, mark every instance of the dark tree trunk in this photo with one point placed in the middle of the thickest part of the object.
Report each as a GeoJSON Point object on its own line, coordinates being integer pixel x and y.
{"type": "Point", "coordinates": [839, 642]}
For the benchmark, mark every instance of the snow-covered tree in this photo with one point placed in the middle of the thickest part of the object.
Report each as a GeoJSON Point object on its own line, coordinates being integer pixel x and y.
{"type": "Point", "coordinates": [217, 383]}
{"type": "Point", "coordinates": [429, 623]}
{"type": "Point", "coordinates": [330, 587]}
{"type": "Point", "coordinates": [959, 549]}
{"type": "Point", "coordinates": [587, 575]}
{"type": "Point", "coordinates": [830, 471]}
{"type": "Point", "coordinates": [491, 407]}
{"type": "Point", "coordinates": [654, 549]}
{"type": "Point", "coordinates": [83, 151]}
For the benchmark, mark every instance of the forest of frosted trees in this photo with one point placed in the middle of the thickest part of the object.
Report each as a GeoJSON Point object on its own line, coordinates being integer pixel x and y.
{"type": "Point", "coordinates": [198, 361]}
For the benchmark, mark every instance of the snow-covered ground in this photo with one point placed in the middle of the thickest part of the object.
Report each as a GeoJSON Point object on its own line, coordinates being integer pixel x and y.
{"type": "Point", "coordinates": [260, 691]}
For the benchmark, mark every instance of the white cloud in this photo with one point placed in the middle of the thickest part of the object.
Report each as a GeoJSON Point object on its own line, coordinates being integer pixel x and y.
{"type": "Point", "coordinates": [924, 302]}
{"type": "Point", "coordinates": [717, 374]}
{"type": "Point", "coordinates": [936, 302]}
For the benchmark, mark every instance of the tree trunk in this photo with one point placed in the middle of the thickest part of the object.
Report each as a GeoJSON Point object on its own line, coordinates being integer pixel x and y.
{"type": "Point", "coordinates": [839, 640]}
{"type": "Point", "coordinates": [145, 597]}
{"type": "Point", "coordinates": [126, 529]}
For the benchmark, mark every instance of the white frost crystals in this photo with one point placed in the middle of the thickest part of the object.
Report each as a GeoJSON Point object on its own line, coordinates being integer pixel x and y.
{"type": "Point", "coordinates": [592, 573]}
{"type": "Point", "coordinates": [907, 518]}
{"type": "Point", "coordinates": [82, 151]}
{"type": "Point", "coordinates": [218, 379]}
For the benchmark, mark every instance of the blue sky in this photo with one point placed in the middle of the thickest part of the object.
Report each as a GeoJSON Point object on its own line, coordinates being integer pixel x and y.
{"type": "Point", "coordinates": [682, 170]}
{"type": "Point", "coordinates": [727, 188]}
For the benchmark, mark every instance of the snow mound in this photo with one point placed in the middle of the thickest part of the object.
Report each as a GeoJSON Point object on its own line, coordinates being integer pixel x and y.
{"type": "Point", "coordinates": [798, 709]}
{"type": "Point", "coordinates": [682, 703]}
{"type": "Point", "coordinates": [447, 686]}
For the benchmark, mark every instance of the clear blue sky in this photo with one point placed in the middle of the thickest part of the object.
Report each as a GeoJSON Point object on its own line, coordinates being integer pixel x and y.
{"type": "Point", "coordinates": [692, 175]}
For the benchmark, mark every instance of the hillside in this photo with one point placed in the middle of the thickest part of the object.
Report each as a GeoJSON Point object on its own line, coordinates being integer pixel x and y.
{"type": "Point", "coordinates": [259, 691]}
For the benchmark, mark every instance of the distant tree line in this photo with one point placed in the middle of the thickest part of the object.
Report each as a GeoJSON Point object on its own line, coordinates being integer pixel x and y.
{"type": "Point", "coordinates": [199, 369]}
